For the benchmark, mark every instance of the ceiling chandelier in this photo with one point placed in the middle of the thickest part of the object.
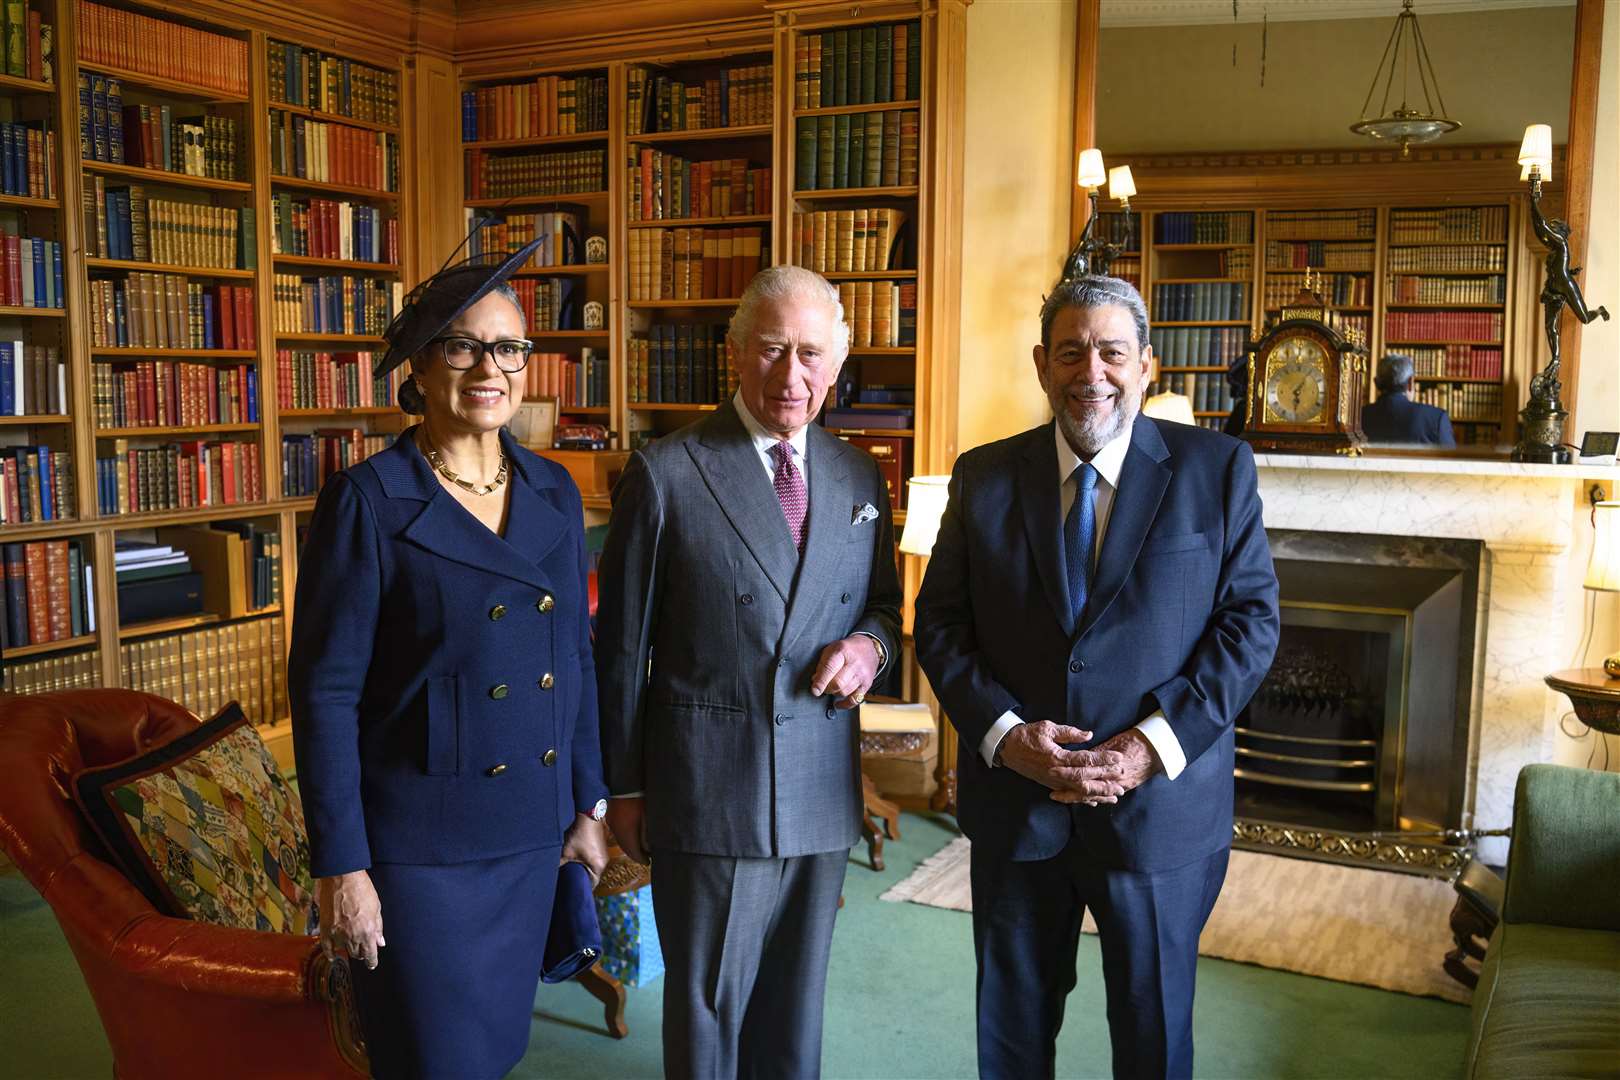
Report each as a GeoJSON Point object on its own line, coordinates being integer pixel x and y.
{"type": "Point", "coordinates": [1405, 124]}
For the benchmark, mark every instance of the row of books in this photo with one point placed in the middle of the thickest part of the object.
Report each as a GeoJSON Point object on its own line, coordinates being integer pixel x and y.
{"type": "Point", "coordinates": [1482, 258]}
{"type": "Point", "coordinates": [550, 303]}
{"type": "Point", "coordinates": [1237, 263]}
{"type": "Point", "coordinates": [554, 172]}
{"type": "Point", "coordinates": [50, 592]}
{"type": "Point", "coordinates": [1208, 392]}
{"type": "Point", "coordinates": [27, 160]}
{"type": "Point", "coordinates": [557, 230]}
{"type": "Point", "coordinates": [124, 39]}
{"type": "Point", "coordinates": [1456, 361]}
{"type": "Point", "coordinates": [1413, 289]}
{"type": "Point", "coordinates": [174, 393]}
{"type": "Point", "coordinates": [308, 460]}
{"type": "Point", "coordinates": [575, 383]}
{"type": "Point", "coordinates": [33, 380]}
{"type": "Point", "coordinates": [36, 484]}
{"type": "Point", "coordinates": [307, 379]}
{"type": "Point", "coordinates": [331, 84]}
{"type": "Point", "coordinates": [1448, 224]}
{"type": "Point", "coordinates": [893, 456]}
{"type": "Point", "coordinates": [29, 43]}
{"type": "Point", "coordinates": [543, 106]}
{"type": "Point", "coordinates": [332, 229]}
{"type": "Point", "coordinates": [668, 187]}
{"type": "Point", "coordinates": [1215, 301]}
{"type": "Point", "coordinates": [145, 310]}
{"type": "Point", "coordinates": [79, 670]}
{"type": "Point", "coordinates": [875, 149]}
{"type": "Point", "coordinates": [335, 304]}
{"type": "Point", "coordinates": [863, 65]}
{"type": "Point", "coordinates": [330, 153]}
{"type": "Point", "coordinates": [207, 669]}
{"type": "Point", "coordinates": [880, 314]}
{"type": "Point", "coordinates": [31, 274]}
{"type": "Point", "coordinates": [178, 476]}
{"type": "Point", "coordinates": [695, 263]}
{"type": "Point", "coordinates": [154, 581]}
{"type": "Point", "coordinates": [1204, 227]}
{"type": "Point", "coordinates": [151, 138]}
{"type": "Point", "coordinates": [681, 364]}
{"type": "Point", "coordinates": [132, 226]}
{"type": "Point", "coordinates": [1320, 254]}
{"type": "Point", "coordinates": [734, 97]}
{"type": "Point", "coordinates": [1322, 224]}
{"type": "Point", "coordinates": [239, 562]}
{"type": "Point", "coordinates": [1344, 290]}
{"type": "Point", "coordinates": [1198, 346]}
{"type": "Point", "coordinates": [889, 418]}
{"type": "Point", "coordinates": [848, 241]}
{"type": "Point", "coordinates": [1128, 268]}
{"type": "Point", "coordinates": [1465, 402]}
{"type": "Point", "coordinates": [1484, 327]}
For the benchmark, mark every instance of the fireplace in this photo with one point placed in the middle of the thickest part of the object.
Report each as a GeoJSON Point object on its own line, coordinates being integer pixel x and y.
{"type": "Point", "coordinates": [1356, 747]}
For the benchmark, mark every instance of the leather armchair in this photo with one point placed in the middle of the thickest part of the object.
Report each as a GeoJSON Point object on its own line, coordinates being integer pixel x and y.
{"type": "Point", "coordinates": [177, 998]}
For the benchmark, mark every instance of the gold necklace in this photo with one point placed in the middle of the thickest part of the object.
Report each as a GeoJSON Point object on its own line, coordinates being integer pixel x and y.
{"type": "Point", "coordinates": [449, 474]}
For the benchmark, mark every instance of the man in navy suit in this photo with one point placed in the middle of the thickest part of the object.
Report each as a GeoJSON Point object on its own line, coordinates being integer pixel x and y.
{"type": "Point", "coordinates": [1099, 605]}
{"type": "Point", "coordinates": [1395, 419]}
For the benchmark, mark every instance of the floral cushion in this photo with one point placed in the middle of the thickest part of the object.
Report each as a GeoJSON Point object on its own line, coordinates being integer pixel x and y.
{"type": "Point", "coordinates": [207, 828]}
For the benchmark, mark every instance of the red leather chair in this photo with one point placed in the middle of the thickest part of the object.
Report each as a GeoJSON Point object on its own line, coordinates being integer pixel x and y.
{"type": "Point", "coordinates": [177, 998]}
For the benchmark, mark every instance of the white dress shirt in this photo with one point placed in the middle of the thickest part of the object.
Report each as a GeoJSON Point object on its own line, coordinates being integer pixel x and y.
{"type": "Point", "coordinates": [1109, 461]}
{"type": "Point", "coordinates": [764, 441]}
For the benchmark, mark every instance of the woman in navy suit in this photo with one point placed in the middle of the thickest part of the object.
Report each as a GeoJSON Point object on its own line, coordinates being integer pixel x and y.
{"type": "Point", "coordinates": [444, 696]}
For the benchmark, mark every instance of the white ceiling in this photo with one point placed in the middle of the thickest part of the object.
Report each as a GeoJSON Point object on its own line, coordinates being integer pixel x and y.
{"type": "Point", "coordinates": [1196, 12]}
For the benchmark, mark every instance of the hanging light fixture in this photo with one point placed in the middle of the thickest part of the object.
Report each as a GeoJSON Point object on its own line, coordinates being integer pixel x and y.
{"type": "Point", "coordinates": [1405, 124]}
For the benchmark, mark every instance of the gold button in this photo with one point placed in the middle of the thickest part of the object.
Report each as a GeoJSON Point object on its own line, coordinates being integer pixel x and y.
{"type": "Point", "coordinates": [546, 603]}
{"type": "Point", "coordinates": [547, 682]}
{"type": "Point", "coordinates": [498, 691]}
{"type": "Point", "coordinates": [549, 758]}
{"type": "Point", "coordinates": [497, 612]}
{"type": "Point", "coordinates": [495, 770]}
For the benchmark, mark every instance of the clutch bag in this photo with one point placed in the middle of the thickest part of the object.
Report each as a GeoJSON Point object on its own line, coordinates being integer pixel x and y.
{"type": "Point", "coordinates": [574, 941]}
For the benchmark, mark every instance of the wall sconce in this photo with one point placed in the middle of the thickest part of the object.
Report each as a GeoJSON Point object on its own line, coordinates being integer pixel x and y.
{"type": "Point", "coordinates": [1092, 254]}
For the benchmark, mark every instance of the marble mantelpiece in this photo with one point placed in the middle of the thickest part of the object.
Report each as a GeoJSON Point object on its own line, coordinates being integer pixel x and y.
{"type": "Point", "coordinates": [1527, 517]}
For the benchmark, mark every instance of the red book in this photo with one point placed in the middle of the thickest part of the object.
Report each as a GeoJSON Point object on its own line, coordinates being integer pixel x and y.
{"type": "Point", "coordinates": [39, 595]}
{"type": "Point", "coordinates": [225, 312]}
{"type": "Point", "coordinates": [33, 46]}
{"type": "Point", "coordinates": [56, 573]}
{"type": "Point", "coordinates": [13, 268]}
{"type": "Point", "coordinates": [13, 502]}
{"type": "Point", "coordinates": [646, 183]}
{"type": "Point", "coordinates": [227, 458]}
{"type": "Point", "coordinates": [246, 327]}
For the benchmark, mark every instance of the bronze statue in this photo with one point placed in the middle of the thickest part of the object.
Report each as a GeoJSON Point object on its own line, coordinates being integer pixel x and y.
{"type": "Point", "coordinates": [1560, 289]}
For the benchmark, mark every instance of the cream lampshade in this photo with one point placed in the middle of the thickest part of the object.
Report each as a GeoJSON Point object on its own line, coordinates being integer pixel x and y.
{"type": "Point", "coordinates": [1092, 175]}
{"type": "Point", "coordinates": [1168, 406]}
{"type": "Point", "coordinates": [1603, 571]}
{"type": "Point", "coordinates": [1537, 148]}
{"type": "Point", "coordinates": [1121, 186]}
{"type": "Point", "coordinates": [926, 497]}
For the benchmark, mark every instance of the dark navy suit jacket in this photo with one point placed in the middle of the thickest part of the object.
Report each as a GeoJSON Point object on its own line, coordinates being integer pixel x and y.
{"type": "Point", "coordinates": [1182, 617]}
{"type": "Point", "coordinates": [442, 686]}
{"type": "Point", "coordinates": [1397, 419]}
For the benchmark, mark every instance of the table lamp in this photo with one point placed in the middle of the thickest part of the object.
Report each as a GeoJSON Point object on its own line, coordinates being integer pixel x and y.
{"type": "Point", "coordinates": [926, 497]}
{"type": "Point", "coordinates": [1603, 572]}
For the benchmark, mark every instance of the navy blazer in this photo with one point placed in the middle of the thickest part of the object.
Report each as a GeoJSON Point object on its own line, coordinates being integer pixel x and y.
{"type": "Point", "coordinates": [441, 680]}
{"type": "Point", "coordinates": [1182, 617]}
{"type": "Point", "coordinates": [1395, 419]}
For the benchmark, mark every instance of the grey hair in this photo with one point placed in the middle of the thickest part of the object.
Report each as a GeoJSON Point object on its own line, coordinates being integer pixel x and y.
{"type": "Point", "coordinates": [1394, 373]}
{"type": "Point", "coordinates": [782, 283]}
{"type": "Point", "coordinates": [1093, 291]}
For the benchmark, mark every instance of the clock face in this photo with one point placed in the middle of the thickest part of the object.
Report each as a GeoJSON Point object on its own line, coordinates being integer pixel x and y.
{"type": "Point", "coordinates": [1296, 381]}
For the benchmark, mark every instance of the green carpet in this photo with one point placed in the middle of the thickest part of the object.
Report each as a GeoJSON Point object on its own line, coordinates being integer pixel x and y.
{"type": "Point", "coordinates": [899, 1004]}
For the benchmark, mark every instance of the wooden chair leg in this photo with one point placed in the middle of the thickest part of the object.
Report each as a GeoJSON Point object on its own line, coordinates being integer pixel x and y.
{"type": "Point", "coordinates": [610, 992]}
{"type": "Point", "coordinates": [874, 841]}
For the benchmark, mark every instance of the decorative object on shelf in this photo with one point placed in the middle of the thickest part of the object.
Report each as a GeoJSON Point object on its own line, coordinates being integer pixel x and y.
{"type": "Point", "coordinates": [1541, 431]}
{"type": "Point", "coordinates": [1405, 125]}
{"type": "Point", "coordinates": [1092, 254]}
{"type": "Point", "coordinates": [1603, 571]}
{"type": "Point", "coordinates": [1307, 381]}
{"type": "Point", "coordinates": [593, 315]}
{"type": "Point", "coordinates": [596, 250]}
{"type": "Point", "coordinates": [534, 424]}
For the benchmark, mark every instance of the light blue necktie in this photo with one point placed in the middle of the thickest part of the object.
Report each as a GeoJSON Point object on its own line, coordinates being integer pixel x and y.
{"type": "Point", "coordinates": [1079, 538]}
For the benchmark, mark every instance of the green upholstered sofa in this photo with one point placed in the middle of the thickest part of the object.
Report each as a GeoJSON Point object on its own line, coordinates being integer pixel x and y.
{"type": "Point", "coordinates": [1548, 1001]}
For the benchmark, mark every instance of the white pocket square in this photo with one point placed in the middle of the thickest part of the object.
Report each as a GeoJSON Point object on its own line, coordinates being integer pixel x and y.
{"type": "Point", "coordinates": [863, 513]}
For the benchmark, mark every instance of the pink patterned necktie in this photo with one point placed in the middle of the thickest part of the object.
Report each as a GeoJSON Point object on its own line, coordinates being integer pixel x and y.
{"type": "Point", "coordinates": [789, 485]}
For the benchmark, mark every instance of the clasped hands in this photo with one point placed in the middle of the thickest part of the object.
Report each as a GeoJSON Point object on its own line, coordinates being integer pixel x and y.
{"type": "Point", "coordinates": [1092, 777]}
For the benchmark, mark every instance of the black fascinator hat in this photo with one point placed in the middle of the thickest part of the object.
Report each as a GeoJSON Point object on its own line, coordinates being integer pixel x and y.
{"type": "Point", "coordinates": [437, 302]}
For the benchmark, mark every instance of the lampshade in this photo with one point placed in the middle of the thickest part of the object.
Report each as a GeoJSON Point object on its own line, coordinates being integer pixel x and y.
{"type": "Point", "coordinates": [1092, 174]}
{"type": "Point", "coordinates": [1167, 406]}
{"type": "Point", "coordinates": [1537, 149]}
{"type": "Point", "coordinates": [1120, 184]}
{"type": "Point", "coordinates": [1603, 572]}
{"type": "Point", "coordinates": [926, 497]}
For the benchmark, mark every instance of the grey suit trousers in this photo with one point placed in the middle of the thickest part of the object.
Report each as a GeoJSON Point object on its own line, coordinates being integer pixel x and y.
{"type": "Point", "coordinates": [746, 943]}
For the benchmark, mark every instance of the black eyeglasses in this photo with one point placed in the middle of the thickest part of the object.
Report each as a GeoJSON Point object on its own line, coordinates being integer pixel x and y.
{"type": "Point", "coordinates": [465, 353]}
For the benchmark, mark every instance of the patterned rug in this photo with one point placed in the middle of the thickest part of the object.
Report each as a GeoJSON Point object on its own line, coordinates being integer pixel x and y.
{"type": "Point", "coordinates": [1372, 927]}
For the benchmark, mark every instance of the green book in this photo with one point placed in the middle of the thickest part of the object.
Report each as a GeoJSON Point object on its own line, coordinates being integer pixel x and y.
{"type": "Point", "coordinates": [841, 152]}
{"type": "Point", "coordinates": [840, 66]}
{"type": "Point", "coordinates": [826, 133]}
{"type": "Point", "coordinates": [913, 62]}
{"type": "Point", "coordinates": [804, 161]}
{"type": "Point", "coordinates": [869, 36]}
{"type": "Point", "coordinates": [857, 150]}
{"type": "Point", "coordinates": [828, 82]}
{"type": "Point", "coordinates": [247, 257]}
{"type": "Point", "coordinates": [872, 172]}
{"type": "Point", "coordinates": [17, 38]}
{"type": "Point", "coordinates": [852, 69]}
{"type": "Point", "coordinates": [884, 64]}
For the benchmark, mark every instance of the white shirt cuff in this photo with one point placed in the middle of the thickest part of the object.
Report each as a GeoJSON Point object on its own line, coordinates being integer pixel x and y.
{"type": "Point", "coordinates": [1156, 729]}
{"type": "Point", "coordinates": [998, 731]}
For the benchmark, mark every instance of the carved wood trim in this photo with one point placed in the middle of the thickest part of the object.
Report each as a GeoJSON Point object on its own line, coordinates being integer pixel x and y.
{"type": "Point", "coordinates": [1583, 105]}
{"type": "Point", "coordinates": [1088, 24]}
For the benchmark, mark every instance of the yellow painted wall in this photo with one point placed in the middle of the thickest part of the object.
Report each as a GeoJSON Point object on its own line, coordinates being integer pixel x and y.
{"type": "Point", "coordinates": [1598, 405]}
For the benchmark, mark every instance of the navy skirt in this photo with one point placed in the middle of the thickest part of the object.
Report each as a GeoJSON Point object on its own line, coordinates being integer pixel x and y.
{"type": "Point", "coordinates": [453, 993]}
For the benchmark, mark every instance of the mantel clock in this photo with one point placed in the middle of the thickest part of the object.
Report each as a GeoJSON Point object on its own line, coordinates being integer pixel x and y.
{"type": "Point", "coordinates": [1307, 383]}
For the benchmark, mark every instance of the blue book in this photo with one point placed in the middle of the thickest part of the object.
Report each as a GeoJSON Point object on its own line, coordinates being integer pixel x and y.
{"type": "Point", "coordinates": [253, 395]}
{"type": "Point", "coordinates": [56, 274]}
{"type": "Point", "coordinates": [47, 484]}
{"type": "Point", "coordinates": [87, 146]}
{"type": "Point", "coordinates": [208, 320]}
{"type": "Point", "coordinates": [115, 121]}
{"type": "Point", "coordinates": [8, 389]}
{"type": "Point", "coordinates": [295, 85]}
{"type": "Point", "coordinates": [121, 316]}
{"type": "Point", "coordinates": [298, 148]}
{"type": "Point", "coordinates": [98, 116]}
{"type": "Point", "coordinates": [8, 166]}
{"type": "Point", "coordinates": [469, 116]}
{"type": "Point", "coordinates": [41, 273]}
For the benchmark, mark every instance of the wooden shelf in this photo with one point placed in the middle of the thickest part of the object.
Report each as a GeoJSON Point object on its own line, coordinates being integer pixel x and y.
{"type": "Point", "coordinates": [1446, 307]}
{"type": "Point", "coordinates": [1198, 280]}
{"type": "Point", "coordinates": [190, 515]}
{"type": "Point", "coordinates": [896, 191]}
{"type": "Point", "coordinates": [1206, 247]}
{"type": "Point", "coordinates": [94, 263]}
{"type": "Point", "coordinates": [1212, 412]}
{"type": "Point", "coordinates": [30, 421]}
{"type": "Point", "coordinates": [1456, 378]}
{"type": "Point", "coordinates": [363, 340]}
{"type": "Point", "coordinates": [164, 176]}
{"type": "Point", "coordinates": [166, 626]}
{"type": "Point", "coordinates": [29, 202]}
{"type": "Point", "coordinates": [1446, 243]}
{"type": "Point", "coordinates": [898, 433]}
{"type": "Point", "coordinates": [298, 504]}
{"type": "Point", "coordinates": [197, 429]}
{"type": "Point", "coordinates": [1331, 307]}
{"type": "Point", "coordinates": [18, 311]}
{"type": "Point", "coordinates": [844, 110]}
{"type": "Point", "coordinates": [333, 118]}
{"type": "Point", "coordinates": [335, 264]}
{"type": "Point", "coordinates": [277, 180]}
{"type": "Point", "coordinates": [883, 350]}
{"type": "Point", "coordinates": [681, 223]}
{"type": "Point", "coordinates": [516, 201]}
{"type": "Point", "coordinates": [357, 410]}
{"type": "Point", "coordinates": [19, 652]}
{"type": "Point", "coordinates": [562, 271]}
{"type": "Point", "coordinates": [573, 138]}
{"type": "Point", "coordinates": [1417, 341]}
{"type": "Point", "coordinates": [669, 406]}
{"type": "Point", "coordinates": [646, 305]}
{"type": "Point", "coordinates": [34, 86]}
{"type": "Point", "coordinates": [1203, 322]}
{"type": "Point", "coordinates": [867, 275]}
{"type": "Point", "coordinates": [1446, 273]}
{"type": "Point", "coordinates": [584, 410]}
{"type": "Point", "coordinates": [132, 352]}
{"type": "Point", "coordinates": [745, 131]}
{"type": "Point", "coordinates": [1322, 240]}
{"type": "Point", "coordinates": [167, 86]}
{"type": "Point", "coordinates": [570, 335]}
{"type": "Point", "coordinates": [1196, 367]}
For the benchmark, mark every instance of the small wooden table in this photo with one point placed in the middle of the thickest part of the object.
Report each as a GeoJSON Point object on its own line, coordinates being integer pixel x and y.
{"type": "Point", "coordinates": [1594, 694]}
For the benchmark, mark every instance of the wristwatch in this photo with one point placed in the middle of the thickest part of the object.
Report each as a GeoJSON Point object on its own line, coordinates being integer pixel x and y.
{"type": "Point", "coordinates": [599, 811]}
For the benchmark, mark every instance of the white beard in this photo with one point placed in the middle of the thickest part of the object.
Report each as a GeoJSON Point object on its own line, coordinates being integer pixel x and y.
{"type": "Point", "coordinates": [1091, 434]}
